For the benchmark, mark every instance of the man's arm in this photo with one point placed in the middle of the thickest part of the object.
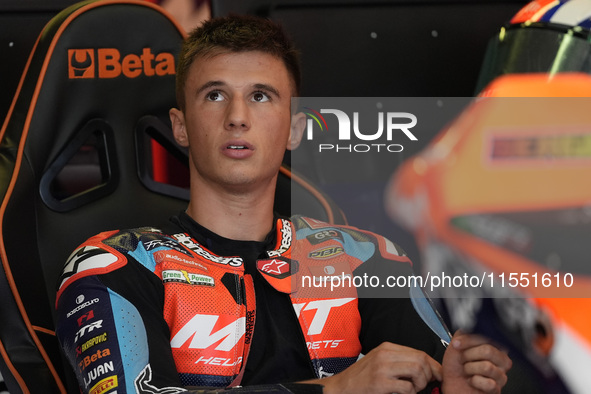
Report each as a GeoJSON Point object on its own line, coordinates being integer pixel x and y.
{"type": "Point", "coordinates": [110, 323]}
{"type": "Point", "coordinates": [389, 368]}
{"type": "Point", "coordinates": [403, 354]}
{"type": "Point", "coordinates": [471, 366]}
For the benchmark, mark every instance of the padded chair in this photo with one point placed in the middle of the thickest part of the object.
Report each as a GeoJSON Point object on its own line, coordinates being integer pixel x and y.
{"type": "Point", "coordinates": [87, 147]}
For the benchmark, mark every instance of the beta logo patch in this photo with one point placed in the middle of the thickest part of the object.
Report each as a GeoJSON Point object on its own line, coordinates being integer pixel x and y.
{"type": "Point", "coordinates": [182, 276]}
{"type": "Point", "coordinates": [104, 63]}
{"type": "Point", "coordinates": [81, 63]}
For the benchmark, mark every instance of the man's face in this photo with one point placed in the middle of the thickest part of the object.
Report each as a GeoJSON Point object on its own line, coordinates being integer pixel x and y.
{"type": "Point", "coordinates": [237, 118]}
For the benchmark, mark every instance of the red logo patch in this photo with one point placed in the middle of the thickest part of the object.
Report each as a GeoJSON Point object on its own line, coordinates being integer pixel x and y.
{"type": "Point", "coordinates": [273, 267]}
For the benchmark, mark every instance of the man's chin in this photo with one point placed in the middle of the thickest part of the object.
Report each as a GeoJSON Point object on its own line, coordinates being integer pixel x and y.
{"type": "Point", "coordinates": [247, 184]}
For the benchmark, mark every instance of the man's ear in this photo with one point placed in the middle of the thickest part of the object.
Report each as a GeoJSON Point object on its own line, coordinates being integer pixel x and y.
{"type": "Point", "coordinates": [179, 131]}
{"type": "Point", "coordinates": [298, 124]}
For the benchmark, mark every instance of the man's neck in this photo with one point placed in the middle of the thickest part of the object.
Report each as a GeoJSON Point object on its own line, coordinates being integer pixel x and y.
{"type": "Point", "coordinates": [244, 215]}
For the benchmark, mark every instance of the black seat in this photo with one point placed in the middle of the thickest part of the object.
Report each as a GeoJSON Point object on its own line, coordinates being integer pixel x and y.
{"type": "Point", "coordinates": [87, 147]}
{"type": "Point", "coordinates": [67, 167]}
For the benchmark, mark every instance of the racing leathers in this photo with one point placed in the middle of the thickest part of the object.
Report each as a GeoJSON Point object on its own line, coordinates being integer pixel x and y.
{"type": "Point", "coordinates": [158, 310]}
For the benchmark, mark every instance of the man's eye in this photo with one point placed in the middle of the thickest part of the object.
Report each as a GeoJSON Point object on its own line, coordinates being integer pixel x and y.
{"type": "Point", "coordinates": [260, 97]}
{"type": "Point", "coordinates": [214, 96]}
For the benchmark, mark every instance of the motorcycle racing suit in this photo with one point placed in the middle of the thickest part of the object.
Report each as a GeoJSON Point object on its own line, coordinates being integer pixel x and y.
{"type": "Point", "coordinates": [156, 310]}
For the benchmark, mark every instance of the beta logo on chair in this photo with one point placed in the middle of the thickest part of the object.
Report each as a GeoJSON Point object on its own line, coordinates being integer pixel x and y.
{"type": "Point", "coordinates": [107, 63]}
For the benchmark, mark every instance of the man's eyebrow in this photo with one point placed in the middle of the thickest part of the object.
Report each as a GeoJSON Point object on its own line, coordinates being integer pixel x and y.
{"type": "Point", "coordinates": [268, 88]}
{"type": "Point", "coordinates": [258, 86]}
{"type": "Point", "coordinates": [209, 84]}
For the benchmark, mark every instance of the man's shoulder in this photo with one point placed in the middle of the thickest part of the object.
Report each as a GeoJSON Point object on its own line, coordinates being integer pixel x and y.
{"type": "Point", "coordinates": [128, 239]}
{"type": "Point", "coordinates": [301, 222]}
{"type": "Point", "coordinates": [317, 231]}
{"type": "Point", "coordinates": [111, 250]}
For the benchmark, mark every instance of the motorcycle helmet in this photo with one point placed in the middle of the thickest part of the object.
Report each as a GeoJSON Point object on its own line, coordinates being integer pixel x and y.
{"type": "Point", "coordinates": [545, 36]}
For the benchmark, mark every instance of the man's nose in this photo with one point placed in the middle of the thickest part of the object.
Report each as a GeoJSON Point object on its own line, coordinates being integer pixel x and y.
{"type": "Point", "coordinates": [237, 114]}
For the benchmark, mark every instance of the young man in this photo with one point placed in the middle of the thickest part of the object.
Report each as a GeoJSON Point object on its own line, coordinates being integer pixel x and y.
{"type": "Point", "coordinates": [194, 303]}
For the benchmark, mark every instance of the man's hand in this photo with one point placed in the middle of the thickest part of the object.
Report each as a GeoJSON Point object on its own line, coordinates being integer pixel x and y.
{"type": "Point", "coordinates": [388, 368]}
{"type": "Point", "coordinates": [471, 365]}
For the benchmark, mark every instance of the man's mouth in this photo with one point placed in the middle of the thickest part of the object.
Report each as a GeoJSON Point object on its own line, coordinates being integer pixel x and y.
{"type": "Point", "coordinates": [238, 149]}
